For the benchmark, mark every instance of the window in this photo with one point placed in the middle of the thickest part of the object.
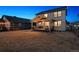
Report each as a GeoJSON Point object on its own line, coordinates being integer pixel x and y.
{"type": "Point", "coordinates": [59, 23]}
{"type": "Point", "coordinates": [55, 14]}
{"type": "Point", "coordinates": [78, 25]}
{"type": "Point", "coordinates": [59, 13]}
{"type": "Point", "coordinates": [45, 15]}
{"type": "Point", "coordinates": [74, 25]}
{"type": "Point", "coordinates": [39, 24]}
{"type": "Point", "coordinates": [46, 24]}
{"type": "Point", "coordinates": [55, 23]}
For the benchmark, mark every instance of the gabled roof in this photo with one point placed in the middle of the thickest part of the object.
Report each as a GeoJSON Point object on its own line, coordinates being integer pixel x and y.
{"type": "Point", "coordinates": [2, 20]}
{"type": "Point", "coordinates": [15, 19]}
{"type": "Point", "coordinates": [77, 22]}
{"type": "Point", "coordinates": [53, 10]}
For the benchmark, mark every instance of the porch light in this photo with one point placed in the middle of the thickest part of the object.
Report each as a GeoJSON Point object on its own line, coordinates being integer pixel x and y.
{"type": "Point", "coordinates": [45, 15]}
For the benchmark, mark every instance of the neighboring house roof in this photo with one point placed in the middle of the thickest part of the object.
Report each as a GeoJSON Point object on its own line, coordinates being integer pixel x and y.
{"type": "Point", "coordinates": [16, 19]}
{"type": "Point", "coordinates": [53, 10]}
{"type": "Point", "coordinates": [2, 20]}
{"type": "Point", "coordinates": [77, 22]}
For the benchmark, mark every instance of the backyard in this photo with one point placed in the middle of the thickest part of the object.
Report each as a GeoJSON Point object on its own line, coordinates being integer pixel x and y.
{"type": "Point", "coordinates": [33, 41]}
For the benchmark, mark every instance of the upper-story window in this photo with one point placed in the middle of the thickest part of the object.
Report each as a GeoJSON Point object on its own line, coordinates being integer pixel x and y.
{"type": "Point", "coordinates": [45, 15]}
{"type": "Point", "coordinates": [55, 14]}
{"type": "Point", "coordinates": [59, 13]}
{"type": "Point", "coordinates": [78, 25]}
{"type": "Point", "coordinates": [75, 25]}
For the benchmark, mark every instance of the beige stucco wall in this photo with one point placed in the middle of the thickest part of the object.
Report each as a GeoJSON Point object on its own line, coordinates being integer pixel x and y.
{"type": "Point", "coordinates": [61, 18]}
{"type": "Point", "coordinates": [7, 23]}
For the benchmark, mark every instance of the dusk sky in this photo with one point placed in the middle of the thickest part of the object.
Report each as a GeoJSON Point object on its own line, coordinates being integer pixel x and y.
{"type": "Point", "coordinates": [30, 11]}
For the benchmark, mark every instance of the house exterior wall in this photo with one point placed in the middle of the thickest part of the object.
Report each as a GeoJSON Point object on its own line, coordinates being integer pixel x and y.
{"type": "Point", "coordinates": [51, 19]}
{"type": "Point", "coordinates": [19, 26]}
{"type": "Point", "coordinates": [16, 25]}
{"type": "Point", "coordinates": [7, 23]}
{"type": "Point", "coordinates": [61, 18]}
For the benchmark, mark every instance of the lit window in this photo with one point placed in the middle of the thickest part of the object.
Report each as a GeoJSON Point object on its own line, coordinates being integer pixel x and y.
{"type": "Point", "coordinates": [78, 25]}
{"type": "Point", "coordinates": [59, 23]}
{"type": "Point", "coordinates": [55, 14]}
{"type": "Point", "coordinates": [74, 25]}
{"type": "Point", "coordinates": [45, 15]}
{"type": "Point", "coordinates": [39, 24]}
{"type": "Point", "coordinates": [43, 22]}
{"type": "Point", "coordinates": [55, 23]}
{"type": "Point", "coordinates": [46, 23]}
{"type": "Point", "coordinates": [59, 13]}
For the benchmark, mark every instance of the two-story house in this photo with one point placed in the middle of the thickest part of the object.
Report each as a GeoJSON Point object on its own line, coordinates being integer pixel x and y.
{"type": "Point", "coordinates": [54, 19]}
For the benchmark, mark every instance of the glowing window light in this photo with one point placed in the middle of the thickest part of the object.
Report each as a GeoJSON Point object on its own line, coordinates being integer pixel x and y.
{"type": "Point", "coordinates": [59, 13]}
{"type": "Point", "coordinates": [55, 14]}
{"type": "Point", "coordinates": [59, 23]}
{"type": "Point", "coordinates": [55, 23]}
{"type": "Point", "coordinates": [45, 15]}
{"type": "Point", "coordinates": [39, 24]}
{"type": "Point", "coordinates": [46, 23]}
{"type": "Point", "coordinates": [78, 25]}
{"type": "Point", "coordinates": [75, 25]}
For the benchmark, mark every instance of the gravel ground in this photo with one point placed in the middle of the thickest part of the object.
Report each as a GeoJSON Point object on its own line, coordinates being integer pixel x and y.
{"type": "Point", "coordinates": [32, 41]}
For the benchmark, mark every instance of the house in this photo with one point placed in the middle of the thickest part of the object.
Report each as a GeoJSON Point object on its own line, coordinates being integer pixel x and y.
{"type": "Point", "coordinates": [76, 25]}
{"type": "Point", "coordinates": [54, 19]}
{"type": "Point", "coordinates": [2, 23]}
{"type": "Point", "coordinates": [15, 23]}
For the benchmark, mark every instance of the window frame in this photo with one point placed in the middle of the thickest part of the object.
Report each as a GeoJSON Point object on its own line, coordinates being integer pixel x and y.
{"type": "Point", "coordinates": [47, 23]}
{"type": "Point", "coordinates": [55, 24]}
{"type": "Point", "coordinates": [59, 13]}
{"type": "Point", "coordinates": [59, 23]}
{"type": "Point", "coordinates": [55, 14]}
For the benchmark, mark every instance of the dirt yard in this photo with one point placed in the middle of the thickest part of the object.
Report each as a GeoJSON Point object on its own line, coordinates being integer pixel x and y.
{"type": "Point", "coordinates": [30, 41]}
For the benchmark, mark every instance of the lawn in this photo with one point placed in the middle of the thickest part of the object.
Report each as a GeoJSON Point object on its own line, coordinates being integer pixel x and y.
{"type": "Point", "coordinates": [33, 41]}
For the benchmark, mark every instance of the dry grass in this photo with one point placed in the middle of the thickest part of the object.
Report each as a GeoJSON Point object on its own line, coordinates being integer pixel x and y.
{"type": "Point", "coordinates": [38, 41]}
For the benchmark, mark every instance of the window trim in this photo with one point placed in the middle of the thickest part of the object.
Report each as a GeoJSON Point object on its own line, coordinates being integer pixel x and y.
{"type": "Point", "coordinates": [55, 24]}
{"type": "Point", "coordinates": [59, 23]}
{"type": "Point", "coordinates": [60, 13]}
{"type": "Point", "coordinates": [55, 14]}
